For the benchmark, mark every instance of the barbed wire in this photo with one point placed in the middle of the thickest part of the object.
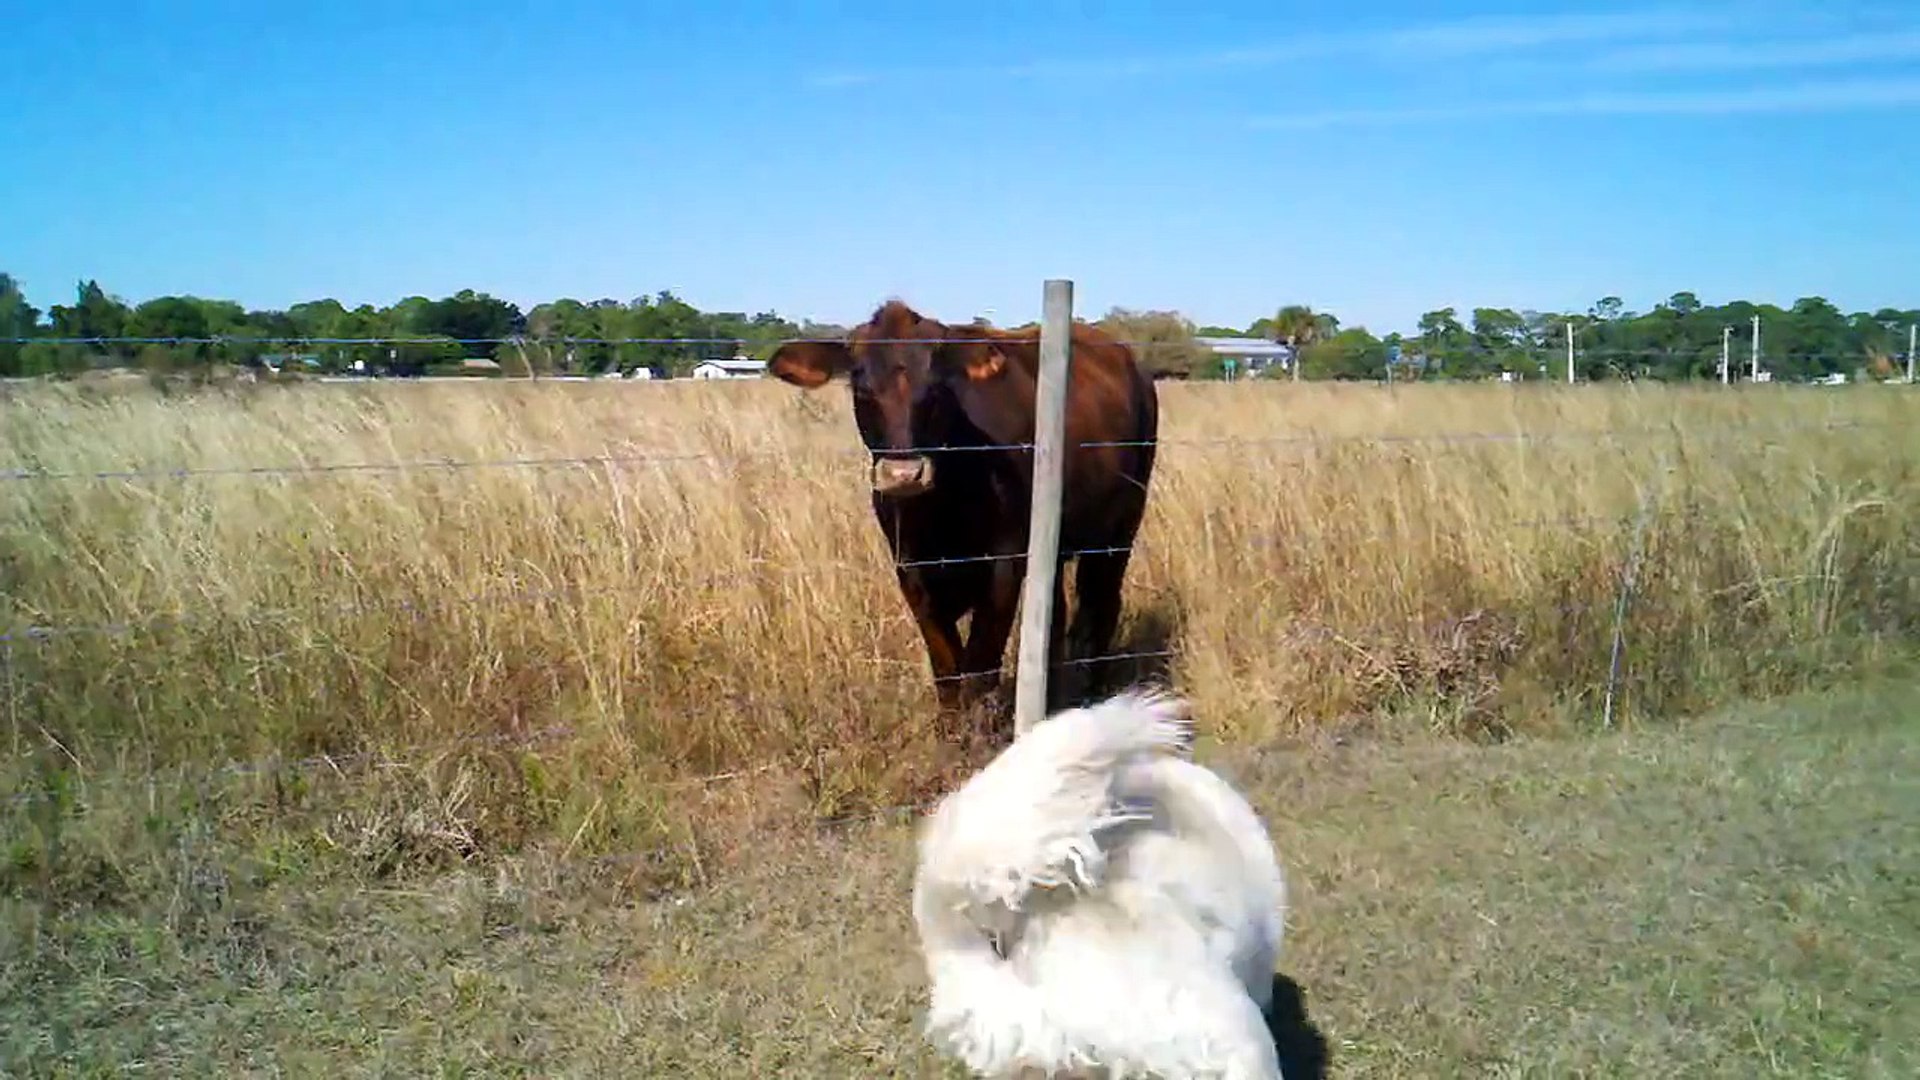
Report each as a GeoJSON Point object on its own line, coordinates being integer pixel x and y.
{"type": "Point", "coordinates": [900, 811]}
{"type": "Point", "coordinates": [423, 464]}
{"type": "Point", "coordinates": [1305, 631]}
{"type": "Point", "coordinates": [1717, 432]}
{"type": "Point", "coordinates": [1299, 632]}
{"type": "Point", "coordinates": [1550, 350]}
{"type": "Point", "coordinates": [43, 632]}
{"type": "Point", "coordinates": [876, 814]}
{"type": "Point", "coordinates": [340, 763]}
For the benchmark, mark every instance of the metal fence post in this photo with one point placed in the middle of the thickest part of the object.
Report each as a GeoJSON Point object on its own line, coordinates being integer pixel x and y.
{"type": "Point", "coordinates": [1043, 533]}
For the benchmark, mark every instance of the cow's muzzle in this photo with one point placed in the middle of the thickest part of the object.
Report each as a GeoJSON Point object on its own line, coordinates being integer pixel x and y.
{"type": "Point", "coordinates": [899, 478]}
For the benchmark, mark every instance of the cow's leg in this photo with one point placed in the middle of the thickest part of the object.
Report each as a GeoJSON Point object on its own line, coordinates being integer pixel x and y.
{"type": "Point", "coordinates": [1098, 582]}
{"type": "Point", "coordinates": [941, 631]}
{"type": "Point", "coordinates": [986, 649]}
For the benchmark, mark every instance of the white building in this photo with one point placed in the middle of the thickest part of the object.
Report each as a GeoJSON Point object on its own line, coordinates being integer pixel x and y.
{"type": "Point", "coordinates": [1247, 356]}
{"type": "Point", "coordinates": [739, 367]}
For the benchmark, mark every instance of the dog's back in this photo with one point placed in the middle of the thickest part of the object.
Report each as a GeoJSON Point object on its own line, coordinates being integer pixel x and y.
{"type": "Point", "coordinates": [1207, 851]}
{"type": "Point", "coordinates": [1093, 895]}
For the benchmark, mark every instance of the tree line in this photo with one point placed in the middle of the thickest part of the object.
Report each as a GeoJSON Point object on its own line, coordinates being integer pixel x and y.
{"type": "Point", "coordinates": [1680, 338]}
{"type": "Point", "coordinates": [413, 336]}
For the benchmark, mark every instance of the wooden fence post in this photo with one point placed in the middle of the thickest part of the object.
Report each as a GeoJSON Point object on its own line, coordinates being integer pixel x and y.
{"type": "Point", "coordinates": [1043, 534]}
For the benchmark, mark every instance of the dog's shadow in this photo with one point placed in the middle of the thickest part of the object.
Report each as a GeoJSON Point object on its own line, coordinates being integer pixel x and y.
{"type": "Point", "coordinates": [1302, 1048]}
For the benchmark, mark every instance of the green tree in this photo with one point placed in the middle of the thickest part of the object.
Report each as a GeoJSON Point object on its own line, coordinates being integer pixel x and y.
{"type": "Point", "coordinates": [1163, 342]}
{"type": "Point", "coordinates": [1349, 354]}
{"type": "Point", "coordinates": [1445, 347]}
{"type": "Point", "coordinates": [1814, 340]}
{"type": "Point", "coordinates": [474, 317]}
{"type": "Point", "coordinates": [93, 314]}
{"type": "Point", "coordinates": [1678, 338]}
{"type": "Point", "coordinates": [18, 319]}
{"type": "Point", "coordinates": [1501, 340]}
{"type": "Point", "coordinates": [1297, 326]}
{"type": "Point", "coordinates": [663, 317]}
{"type": "Point", "coordinates": [555, 333]}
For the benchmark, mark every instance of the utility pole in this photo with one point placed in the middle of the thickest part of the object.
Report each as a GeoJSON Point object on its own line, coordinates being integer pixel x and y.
{"type": "Point", "coordinates": [1726, 359]}
{"type": "Point", "coordinates": [1569, 354]}
{"type": "Point", "coordinates": [1755, 373]}
{"type": "Point", "coordinates": [1911, 333]}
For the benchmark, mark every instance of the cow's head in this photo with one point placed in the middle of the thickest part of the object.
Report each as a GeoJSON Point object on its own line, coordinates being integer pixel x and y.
{"type": "Point", "coordinates": [913, 380]}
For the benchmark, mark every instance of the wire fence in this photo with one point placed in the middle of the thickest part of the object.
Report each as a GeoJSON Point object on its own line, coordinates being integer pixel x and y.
{"type": "Point", "coordinates": [1301, 632]}
{"type": "Point", "coordinates": [1552, 348]}
{"type": "Point", "coordinates": [551, 355]}
{"type": "Point", "coordinates": [1719, 433]}
{"type": "Point", "coordinates": [41, 632]}
{"type": "Point", "coordinates": [1747, 435]}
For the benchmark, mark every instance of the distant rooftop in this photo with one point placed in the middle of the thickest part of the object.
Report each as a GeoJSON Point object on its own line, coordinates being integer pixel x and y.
{"type": "Point", "coordinates": [1244, 346]}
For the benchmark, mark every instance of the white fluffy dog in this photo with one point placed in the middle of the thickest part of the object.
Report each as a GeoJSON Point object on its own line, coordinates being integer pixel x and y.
{"type": "Point", "coordinates": [1095, 904]}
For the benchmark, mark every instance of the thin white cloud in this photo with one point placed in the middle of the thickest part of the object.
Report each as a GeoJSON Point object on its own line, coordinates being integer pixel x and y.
{"type": "Point", "coordinates": [1494, 34]}
{"type": "Point", "coordinates": [1840, 96]}
{"type": "Point", "coordinates": [1892, 47]}
{"type": "Point", "coordinates": [1452, 39]}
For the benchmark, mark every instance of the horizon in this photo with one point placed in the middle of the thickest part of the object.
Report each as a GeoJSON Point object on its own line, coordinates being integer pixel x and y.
{"type": "Point", "coordinates": [1224, 165]}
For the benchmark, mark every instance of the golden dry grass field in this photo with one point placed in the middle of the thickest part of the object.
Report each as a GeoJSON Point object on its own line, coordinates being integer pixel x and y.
{"type": "Point", "coordinates": [647, 636]}
{"type": "Point", "coordinates": [716, 597]}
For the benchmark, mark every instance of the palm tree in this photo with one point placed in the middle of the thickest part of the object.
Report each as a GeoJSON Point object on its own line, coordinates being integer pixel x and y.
{"type": "Point", "coordinates": [1299, 327]}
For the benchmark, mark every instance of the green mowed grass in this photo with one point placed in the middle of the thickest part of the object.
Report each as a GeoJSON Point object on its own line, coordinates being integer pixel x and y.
{"type": "Point", "coordinates": [1733, 896]}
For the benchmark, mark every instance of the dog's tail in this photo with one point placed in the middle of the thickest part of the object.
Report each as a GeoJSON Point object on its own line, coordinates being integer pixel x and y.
{"type": "Point", "coordinates": [1035, 816]}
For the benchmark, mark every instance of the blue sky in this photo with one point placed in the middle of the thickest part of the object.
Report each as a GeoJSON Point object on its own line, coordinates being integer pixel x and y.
{"type": "Point", "coordinates": [814, 160]}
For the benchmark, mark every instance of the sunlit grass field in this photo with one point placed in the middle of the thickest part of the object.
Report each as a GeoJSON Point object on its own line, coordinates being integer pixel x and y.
{"type": "Point", "coordinates": [541, 612]}
{"type": "Point", "coordinates": [490, 728]}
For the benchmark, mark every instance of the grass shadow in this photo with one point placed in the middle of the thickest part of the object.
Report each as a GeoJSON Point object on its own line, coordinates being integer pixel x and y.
{"type": "Point", "coordinates": [1303, 1050]}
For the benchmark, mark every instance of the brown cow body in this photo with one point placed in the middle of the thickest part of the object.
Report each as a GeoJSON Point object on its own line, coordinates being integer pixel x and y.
{"type": "Point", "coordinates": [931, 410]}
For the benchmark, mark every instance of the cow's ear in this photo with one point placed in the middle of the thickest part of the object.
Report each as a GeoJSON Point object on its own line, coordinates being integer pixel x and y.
{"type": "Point", "coordinates": [979, 361]}
{"type": "Point", "coordinates": [809, 364]}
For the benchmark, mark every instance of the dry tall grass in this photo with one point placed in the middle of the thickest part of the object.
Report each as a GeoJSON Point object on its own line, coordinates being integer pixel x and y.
{"type": "Point", "coordinates": [720, 597]}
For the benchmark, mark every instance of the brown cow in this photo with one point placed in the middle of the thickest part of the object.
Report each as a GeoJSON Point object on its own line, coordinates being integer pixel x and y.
{"type": "Point", "coordinates": [931, 410]}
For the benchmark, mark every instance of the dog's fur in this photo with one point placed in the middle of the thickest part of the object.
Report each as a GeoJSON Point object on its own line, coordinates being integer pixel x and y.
{"type": "Point", "coordinates": [1094, 903]}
